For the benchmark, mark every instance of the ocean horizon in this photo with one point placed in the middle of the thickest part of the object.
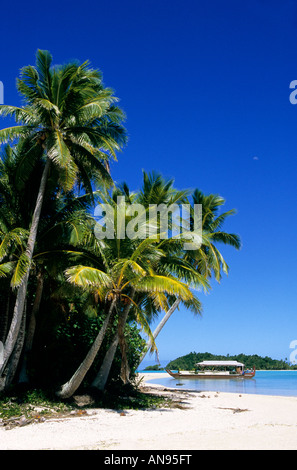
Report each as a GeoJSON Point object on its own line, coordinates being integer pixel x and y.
{"type": "Point", "coordinates": [265, 382]}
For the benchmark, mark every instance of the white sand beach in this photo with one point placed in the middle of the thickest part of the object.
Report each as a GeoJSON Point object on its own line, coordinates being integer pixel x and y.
{"type": "Point", "coordinates": [200, 420]}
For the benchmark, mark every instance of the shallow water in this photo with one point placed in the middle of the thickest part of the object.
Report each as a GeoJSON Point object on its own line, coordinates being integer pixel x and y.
{"type": "Point", "coordinates": [281, 383]}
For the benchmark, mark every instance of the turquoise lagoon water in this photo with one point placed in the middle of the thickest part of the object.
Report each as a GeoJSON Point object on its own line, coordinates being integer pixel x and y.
{"type": "Point", "coordinates": [281, 383]}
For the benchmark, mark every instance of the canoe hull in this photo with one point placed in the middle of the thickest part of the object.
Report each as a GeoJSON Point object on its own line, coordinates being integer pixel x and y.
{"type": "Point", "coordinates": [181, 375]}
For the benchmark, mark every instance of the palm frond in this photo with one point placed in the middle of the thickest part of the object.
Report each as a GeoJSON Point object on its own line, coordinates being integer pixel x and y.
{"type": "Point", "coordinates": [15, 132]}
{"type": "Point", "coordinates": [16, 237]}
{"type": "Point", "coordinates": [87, 277]}
{"type": "Point", "coordinates": [6, 268]}
{"type": "Point", "coordinates": [43, 65]}
{"type": "Point", "coordinates": [24, 115]}
{"type": "Point", "coordinates": [21, 269]}
{"type": "Point", "coordinates": [59, 153]}
{"type": "Point", "coordinates": [231, 239]}
{"type": "Point", "coordinates": [157, 283]}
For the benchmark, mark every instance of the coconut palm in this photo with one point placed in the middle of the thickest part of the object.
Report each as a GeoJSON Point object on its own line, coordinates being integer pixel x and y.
{"type": "Point", "coordinates": [155, 190]}
{"type": "Point", "coordinates": [71, 126]}
{"type": "Point", "coordinates": [59, 243]}
{"type": "Point", "coordinates": [207, 260]}
{"type": "Point", "coordinates": [129, 274]}
{"type": "Point", "coordinates": [13, 237]}
{"type": "Point", "coordinates": [64, 224]}
{"type": "Point", "coordinates": [126, 277]}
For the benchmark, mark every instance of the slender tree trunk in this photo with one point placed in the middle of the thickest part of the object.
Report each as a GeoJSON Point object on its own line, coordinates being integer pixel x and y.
{"type": "Point", "coordinates": [159, 328]}
{"type": "Point", "coordinates": [101, 378]}
{"type": "Point", "coordinates": [5, 318]}
{"type": "Point", "coordinates": [23, 376]}
{"type": "Point", "coordinates": [70, 387]}
{"type": "Point", "coordinates": [125, 369]}
{"type": "Point", "coordinates": [16, 354]}
{"type": "Point", "coordinates": [22, 290]}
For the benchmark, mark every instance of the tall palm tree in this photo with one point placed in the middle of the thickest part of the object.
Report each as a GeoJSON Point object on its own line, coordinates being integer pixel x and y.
{"type": "Point", "coordinates": [70, 124]}
{"type": "Point", "coordinates": [117, 285]}
{"type": "Point", "coordinates": [155, 190]}
{"type": "Point", "coordinates": [13, 236]}
{"type": "Point", "coordinates": [207, 260]}
{"type": "Point", "coordinates": [64, 225]}
{"type": "Point", "coordinates": [130, 271]}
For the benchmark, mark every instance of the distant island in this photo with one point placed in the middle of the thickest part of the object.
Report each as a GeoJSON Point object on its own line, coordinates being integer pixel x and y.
{"type": "Point", "coordinates": [155, 367]}
{"type": "Point", "coordinates": [188, 362]}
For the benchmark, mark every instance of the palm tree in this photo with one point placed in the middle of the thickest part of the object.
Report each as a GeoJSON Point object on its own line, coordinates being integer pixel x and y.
{"type": "Point", "coordinates": [71, 125]}
{"type": "Point", "coordinates": [207, 260]}
{"type": "Point", "coordinates": [155, 190]}
{"type": "Point", "coordinates": [130, 276]}
{"type": "Point", "coordinates": [59, 243]}
{"type": "Point", "coordinates": [13, 237]}
{"type": "Point", "coordinates": [63, 228]}
{"type": "Point", "coordinates": [130, 268]}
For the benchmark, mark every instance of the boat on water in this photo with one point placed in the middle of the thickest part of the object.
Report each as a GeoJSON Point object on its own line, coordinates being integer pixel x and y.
{"type": "Point", "coordinates": [215, 370]}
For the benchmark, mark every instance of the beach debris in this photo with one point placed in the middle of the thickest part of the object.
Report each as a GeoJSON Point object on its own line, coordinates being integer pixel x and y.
{"type": "Point", "coordinates": [78, 412]}
{"type": "Point", "coordinates": [83, 400]}
{"type": "Point", "coordinates": [235, 410]}
{"type": "Point", "coordinates": [13, 422]}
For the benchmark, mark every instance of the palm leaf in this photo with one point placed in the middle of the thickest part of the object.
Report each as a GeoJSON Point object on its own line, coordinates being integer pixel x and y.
{"type": "Point", "coordinates": [231, 239]}
{"type": "Point", "coordinates": [59, 153]}
{"type": "Point", "coordinates": [24, 115]}
{"type": "Point", "coordinates": [6, 268]}
{"type": "Point", "coordinates": [156, 283]}
{"type": "Point", "coordinates": [43, 64]}
{"type": "Point", "coordinates": [87, 277]}
{"type": "Point", "coordinates": [27, 84]}
{"type": "Point", "coordinates": [22, 267]}
{"type": "Point", "coordinates": [16, 237]}
{"type": "Point", "coordinates": [13, 133]}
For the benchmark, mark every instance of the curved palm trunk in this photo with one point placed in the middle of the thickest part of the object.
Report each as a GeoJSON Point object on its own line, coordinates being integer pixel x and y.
{"type": "Point", "coordinates": [16, 354]}
{"type": "Point", "coordinates": [159, 328]}
{"type": "Point", "coordinates": [101, 378]}
{"type": "Point", "coordinates": [70, 387]}
{"type": "Point", "coordinates": [23, 376]}
{"type": "Point", "coordinates": [22, 290]}
{"type": "Point", "coordinates": [125, 369]}
{"type": "Point", "coordinates": [4, 319]}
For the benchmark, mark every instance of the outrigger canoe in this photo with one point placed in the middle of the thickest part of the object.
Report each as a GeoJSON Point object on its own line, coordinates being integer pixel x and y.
{"type": "Point", "coordinates": [215, 370]}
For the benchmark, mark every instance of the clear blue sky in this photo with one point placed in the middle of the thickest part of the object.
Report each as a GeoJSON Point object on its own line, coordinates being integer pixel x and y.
{"type": "Point", "coordinates": [205, 86]}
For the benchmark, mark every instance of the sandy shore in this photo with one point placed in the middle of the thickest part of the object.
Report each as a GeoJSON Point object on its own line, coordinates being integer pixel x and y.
{"type": "Point", "coordinates": [201, 420]}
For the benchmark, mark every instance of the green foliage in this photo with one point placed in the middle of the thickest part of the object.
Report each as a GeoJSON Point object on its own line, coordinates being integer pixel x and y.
{"type": "Point", "coordinates": [155, 367]}
{"type": "Point", "coordinates": [64, 337]}
{"type": "Point", "coordinates": [188, 361]}
{"type": "Point", "coordinates": [70, 119]}
{"type": "Point", "coordinates": [24, 403]}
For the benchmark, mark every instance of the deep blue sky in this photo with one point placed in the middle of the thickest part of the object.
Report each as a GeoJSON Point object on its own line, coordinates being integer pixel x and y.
{"type": "Point", "coordinates": [205, 86]}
